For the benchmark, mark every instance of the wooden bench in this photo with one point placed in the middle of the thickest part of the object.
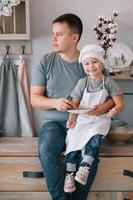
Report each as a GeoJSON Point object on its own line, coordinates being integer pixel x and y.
{"type": "Point", "coordinates": [20, 154]}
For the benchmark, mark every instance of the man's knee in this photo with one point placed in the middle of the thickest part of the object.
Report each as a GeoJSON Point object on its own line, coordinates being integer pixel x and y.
{"type": "Point", "coordinates": [47, 151]}
{"type": "Point", "coordinates": [41, 151]}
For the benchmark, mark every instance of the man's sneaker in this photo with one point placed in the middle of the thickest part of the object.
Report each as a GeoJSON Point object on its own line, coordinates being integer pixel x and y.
{"type": "Point", "coordinates": [82, 175]}
{"type": "Point", "coordinates": [69, 185]}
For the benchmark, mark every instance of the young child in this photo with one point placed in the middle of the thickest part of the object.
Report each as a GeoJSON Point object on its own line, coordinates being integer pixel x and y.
{"type": "Point", "coordinates": [86, 131]}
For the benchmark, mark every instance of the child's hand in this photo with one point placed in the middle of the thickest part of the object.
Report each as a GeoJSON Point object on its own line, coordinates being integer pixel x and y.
{"type": "Point", "coordinates": [112, 112]}
{"type": "Point", "coordinates": [70, 123]}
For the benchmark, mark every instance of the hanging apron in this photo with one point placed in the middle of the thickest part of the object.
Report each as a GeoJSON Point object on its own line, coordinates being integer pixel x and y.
{"type": "Point", "coordinates": [88, 126]}
{"type": "Point", "coordinates": [9, 105]}
{"type": "Point", "coordinates": [15, 118]}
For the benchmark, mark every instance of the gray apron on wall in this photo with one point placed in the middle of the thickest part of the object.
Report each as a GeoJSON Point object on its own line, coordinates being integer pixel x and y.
{"type": "Point", "coordinates": [9, 107]}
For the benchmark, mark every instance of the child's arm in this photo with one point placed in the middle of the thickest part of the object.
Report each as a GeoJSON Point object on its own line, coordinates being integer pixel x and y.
{"type": "Point", "coordinates": [72, 117]}
{"type": "Point", "coordinates": [119, 104]}
{"type": "Point", "coordinates": [71, 120]}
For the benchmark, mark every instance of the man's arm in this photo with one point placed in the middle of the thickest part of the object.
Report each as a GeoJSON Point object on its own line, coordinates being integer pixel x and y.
{"type": "Point", "coordinates": [39, 100]}
{"type": "Point", "coordinates": [119, 104]}
{"type": "Point", "coordinates": [102, 108]}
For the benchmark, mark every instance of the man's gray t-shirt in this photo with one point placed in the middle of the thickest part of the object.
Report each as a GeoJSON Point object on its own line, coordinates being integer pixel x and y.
{"type": "Point", "coordinates": [59, 78]}
{"type": "Point", "coordinates": [94, 86]}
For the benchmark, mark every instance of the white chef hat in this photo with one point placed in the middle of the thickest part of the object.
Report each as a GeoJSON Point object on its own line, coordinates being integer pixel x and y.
{"type": "Point", "coordinates": [92, 50]}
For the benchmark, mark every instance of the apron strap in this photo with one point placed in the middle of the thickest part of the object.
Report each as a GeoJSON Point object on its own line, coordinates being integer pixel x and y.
{"type": "Point", "coordinates": [103, 82]}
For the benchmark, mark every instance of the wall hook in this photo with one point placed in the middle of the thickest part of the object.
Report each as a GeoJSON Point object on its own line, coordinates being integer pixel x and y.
{"type": "Point", "coordinates": [23, 49]}
{"type": "Point", "coordinates": [7, 50]}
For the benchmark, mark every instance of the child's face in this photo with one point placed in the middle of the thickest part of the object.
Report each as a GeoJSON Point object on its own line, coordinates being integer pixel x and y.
{"type": "Point", "coordinates": [93, 67]}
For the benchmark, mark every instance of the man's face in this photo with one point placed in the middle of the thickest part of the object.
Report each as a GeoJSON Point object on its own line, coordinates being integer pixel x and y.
{"type": "Point", "coordinates": [62, 37]}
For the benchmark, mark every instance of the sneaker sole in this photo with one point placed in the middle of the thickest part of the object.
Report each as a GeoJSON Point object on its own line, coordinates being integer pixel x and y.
{"type": "Point", "coordinates": [69, 190]}
{"type": "Point", "coordinates": [80, 180]}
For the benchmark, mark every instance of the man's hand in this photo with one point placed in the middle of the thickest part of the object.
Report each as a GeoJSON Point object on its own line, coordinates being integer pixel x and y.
{"type": "Point", "coordinates": [62, 104]}
{"type": "Point", "coordinates": [97, 110]}
{"type": "Point", "coordinates": [102, 108]}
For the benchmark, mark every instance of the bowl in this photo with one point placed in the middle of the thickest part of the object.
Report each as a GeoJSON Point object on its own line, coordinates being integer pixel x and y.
{"type": "Point", "coordinates": [119, 132]}
{"type": "Point", "coordinates": [118, 125]}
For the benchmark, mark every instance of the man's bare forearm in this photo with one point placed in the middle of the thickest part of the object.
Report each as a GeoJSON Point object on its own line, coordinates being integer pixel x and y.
{"type": "Point", "coordinates": [102, 108]}
{"type": "Point", "coordinates": [106, 106]}
{"type": "Point", "coordinates": [42, 102]}
{"type": "Point", "coordinates": [45, 103]}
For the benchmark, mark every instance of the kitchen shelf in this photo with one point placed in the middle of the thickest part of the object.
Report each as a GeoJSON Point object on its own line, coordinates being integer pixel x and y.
{"type": "Point", "coordinates": [122, 77]}
{"type": "Point", "coordinates": [16, 26]}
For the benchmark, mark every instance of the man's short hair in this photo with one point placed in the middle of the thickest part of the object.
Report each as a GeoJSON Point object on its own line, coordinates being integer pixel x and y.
{"type": "Point", "coordinates": [73, 21]}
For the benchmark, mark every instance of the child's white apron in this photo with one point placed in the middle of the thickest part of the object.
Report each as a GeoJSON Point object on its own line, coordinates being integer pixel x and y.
{"type": "Point", "coordinates": [88, 126]}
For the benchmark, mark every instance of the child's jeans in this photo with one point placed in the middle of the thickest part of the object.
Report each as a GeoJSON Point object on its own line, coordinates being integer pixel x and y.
{"type": "Point", "coordinates": [90, 152]}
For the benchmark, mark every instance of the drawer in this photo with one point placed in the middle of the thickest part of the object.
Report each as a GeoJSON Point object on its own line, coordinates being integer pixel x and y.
{"type": "Point", "coordinates": [109, 175]}
{"type": "Point", "coordinates": [11, 174]}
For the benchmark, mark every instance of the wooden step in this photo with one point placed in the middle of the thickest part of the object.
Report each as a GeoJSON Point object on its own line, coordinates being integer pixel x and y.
{"type": "Point", "coordinates": [46, 196]}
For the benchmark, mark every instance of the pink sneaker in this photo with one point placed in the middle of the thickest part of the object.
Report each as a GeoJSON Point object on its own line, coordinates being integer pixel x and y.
{"type": "Point", "coordinates": [82, 175]}
{"type": "Point", "coordinates": [69, 185]}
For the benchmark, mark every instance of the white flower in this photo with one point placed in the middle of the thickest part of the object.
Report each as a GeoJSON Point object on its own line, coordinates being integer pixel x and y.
{"type": "Point", "coordinates": [112, 30]}
{"type": "Point", "coordinates": [109, 20]}
{"type": "Point", "coordinates": [100, 17]}
{"type": "Point", "coordinates": [115, 24]}
{"type": "Point", "coordinates": [115, 13]}
{"type": "Point", "coordinates": [110, 25]}
{"type": "Point", "coordinates": [111, 35]}
{"type": "Point", "coordinates": [105, 30]}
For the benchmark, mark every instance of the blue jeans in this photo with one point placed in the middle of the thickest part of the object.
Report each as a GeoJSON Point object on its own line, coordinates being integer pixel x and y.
{"type": "Point", "coordinates": [91, 149]}
{"type": "Point", "coordinates": [51, 144]}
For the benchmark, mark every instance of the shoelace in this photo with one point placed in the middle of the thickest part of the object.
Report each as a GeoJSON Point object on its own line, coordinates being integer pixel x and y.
{"type": "Point", "coordinates": [84, 170]}
{"type": "Point", "coordinates": [69, 176]}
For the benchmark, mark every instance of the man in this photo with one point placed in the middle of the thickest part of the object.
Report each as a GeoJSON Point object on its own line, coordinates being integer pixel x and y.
{"type": "Point", "coordinates": [53, 80]}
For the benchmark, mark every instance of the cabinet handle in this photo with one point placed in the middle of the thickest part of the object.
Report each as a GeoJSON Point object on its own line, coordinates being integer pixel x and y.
{"type": "Point", "coordinates": [126, 199]}
{"type": "Point", "coordinates": [33, 174]}
{"type": "Point", "coordinates": [128, 173]}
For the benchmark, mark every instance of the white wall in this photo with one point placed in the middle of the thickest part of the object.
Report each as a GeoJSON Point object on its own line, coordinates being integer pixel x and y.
{"type": "Point", "coordinates": [44, 11]}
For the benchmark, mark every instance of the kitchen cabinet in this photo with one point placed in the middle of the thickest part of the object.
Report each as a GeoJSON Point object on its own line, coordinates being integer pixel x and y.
{"type": "Point", "coordinates": [20, 154]}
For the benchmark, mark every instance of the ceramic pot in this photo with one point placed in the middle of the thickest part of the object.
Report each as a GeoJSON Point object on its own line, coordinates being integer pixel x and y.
{"type": "Point", "coordinates": [119, 132]}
